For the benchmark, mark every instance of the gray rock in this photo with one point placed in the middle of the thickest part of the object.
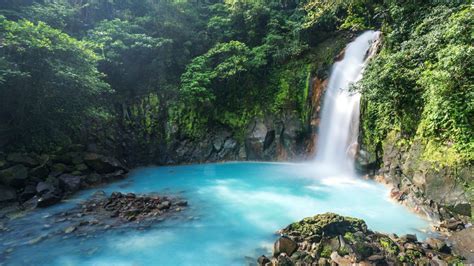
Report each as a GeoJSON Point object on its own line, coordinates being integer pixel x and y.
{"type": "Point", "coordinates": [463, 244]}
{"type": "Point", "coordinates": [14, 176]}
{"type": "Point", "coordinates": [70, 183]}
{"type": "Point", "coordinates": [43, 187]}
{"type": "Point", "coordinates": [48, 199]}
{"type": "Point", "coordinates": [284, 245]}
{"type": "Point", "coordinates": [70, 229]}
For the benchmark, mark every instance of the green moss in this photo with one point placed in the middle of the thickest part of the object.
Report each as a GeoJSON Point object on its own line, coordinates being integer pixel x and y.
{"type": "Point", "coordinates": [442, 154]}
{"type": "Point", "coordinates": [349, 236]}
{"type": "Point", "coordinates": [326, 251]}
{"type": "Point", "coordinates": [410, 256]}
{"type": "Point", "coordinates": [389, 246]}
{"type": "Point", "coordinates": [343, 251]}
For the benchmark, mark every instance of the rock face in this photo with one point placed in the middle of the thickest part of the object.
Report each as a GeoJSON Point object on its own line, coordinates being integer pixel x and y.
{"type": "Point", "coordinates": [70, 182]}
{"type": "Point", "coordinates": [463, 244]}
{"type": "Point", "coordinates": [330, 238]}
{"type": "Point", "coordinates": [429, 188]}
{"type": "Point", "coordinates": [266, 138]}
{"type": "Point", "coordinates": [284, 245]}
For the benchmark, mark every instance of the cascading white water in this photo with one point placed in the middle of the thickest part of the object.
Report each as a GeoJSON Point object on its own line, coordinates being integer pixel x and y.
{"type": "Point", "coordinates": [337, 140]}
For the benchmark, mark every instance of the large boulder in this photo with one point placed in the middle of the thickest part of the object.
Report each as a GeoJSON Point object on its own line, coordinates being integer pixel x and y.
{"type": "Point", "coordinates": [14, 176]}
{"type": "Point", "coordinates": [7, 194]}
{"type": "Point", "coordinates": [103, 164]}
{"type": "Point", "coordinates": [463, 244]}
{"type": "Point", "coordinates": [49, 198]}
{"type": "Point", "coordinates": [47, 195]}
{"type": "Point", "coordinates": [43, 187]}
{"type": "Point", "coordinates": [70, 183]}
{"type": "Point", "coordinates": [284, 245]}
{"type": "Point", "coordinates": [328, 225]}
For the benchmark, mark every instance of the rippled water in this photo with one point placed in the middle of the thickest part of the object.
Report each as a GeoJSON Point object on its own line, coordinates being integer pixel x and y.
{"type": "Point", "coordinates": [238, 207]}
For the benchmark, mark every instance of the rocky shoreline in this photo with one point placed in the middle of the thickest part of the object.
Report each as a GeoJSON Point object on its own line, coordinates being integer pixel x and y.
{"type": "Point", "coordinates": [30, 180]}
{"type": "Point", "coordinates": [100, 213]}
{"type": "Point", "coordinates": [328, 239]}
{"type": "Point", "coordinates": [444, 220]}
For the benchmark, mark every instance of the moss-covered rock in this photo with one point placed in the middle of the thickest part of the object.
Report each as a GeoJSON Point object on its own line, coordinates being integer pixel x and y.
{"type": "Point", "coordinates": [331, 238]}
{"type": "Point", "coordinates": [327, 225]}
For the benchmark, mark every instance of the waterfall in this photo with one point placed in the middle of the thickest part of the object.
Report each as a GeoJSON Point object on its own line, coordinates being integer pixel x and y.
{"type": "Point", "coordinates": [337, 139]}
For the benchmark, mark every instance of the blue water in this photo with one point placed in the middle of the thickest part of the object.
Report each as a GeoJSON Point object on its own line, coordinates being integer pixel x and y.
{"type": "Point", "coordinates": [234, 211]}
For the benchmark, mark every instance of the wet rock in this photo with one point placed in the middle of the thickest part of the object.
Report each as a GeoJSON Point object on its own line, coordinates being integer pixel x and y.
{"type": "Point", "coordinates": [284, 260]}
{"type": "Point", "coordinates": [284, 245]}
{"type": "Point", "coordinates": [70, 182]}
{"type": "Point", "coordinates": [409, 238]}
{"type": "Point", "coordinates": [182, 203]}
{"type": "Point", "coordinates": [28, 193]}
{"type": "Point", "coordinates": [7, 194]}
{"type": "Point", "coordinates": [70, 229]}
{"type": "Point", "coordinates": [14, 176]}
{"type": "Point", "coordinates": [164, 205]}
{"type": "Point", "coordinates": [345, 241]}
{"type": "Point", "coordinates": [99, 195]}
{"type": "Point", "coordinates": [43, 187]}
{"type": "Point", "coordinates": [37, 239]}
{"type": "Point", "coordinates": [262, 260]}
{"type": "Point", "coordinates": [103, 164]}
{"type": "Point", "coordinates": [49, 198]}
{"type": "Point", "coordinates": [128, 207]}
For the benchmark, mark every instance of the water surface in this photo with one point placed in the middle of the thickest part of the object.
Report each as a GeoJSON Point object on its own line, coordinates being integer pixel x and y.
{"type": "Point", "coordinates": [235, 208]}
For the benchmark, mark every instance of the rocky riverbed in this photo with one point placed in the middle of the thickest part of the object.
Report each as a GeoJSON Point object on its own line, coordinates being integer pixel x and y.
{"type": "Point", "coordinates": [100, 213]}
{"type": "Point", "coordinates": [329, 238]}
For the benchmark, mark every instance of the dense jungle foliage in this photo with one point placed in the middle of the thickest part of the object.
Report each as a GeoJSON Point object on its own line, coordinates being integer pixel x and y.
{"type": "Point", "coordinates": [173, 69]}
